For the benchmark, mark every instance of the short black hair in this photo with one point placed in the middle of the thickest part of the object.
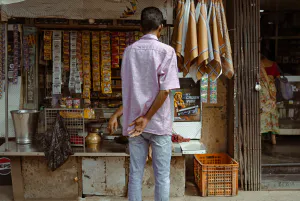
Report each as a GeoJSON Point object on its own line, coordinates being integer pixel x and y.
{"type": "Point", "coordinates": [151, 19]}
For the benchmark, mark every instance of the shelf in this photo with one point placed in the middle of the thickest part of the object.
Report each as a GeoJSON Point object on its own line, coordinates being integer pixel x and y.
{"type": "Point", "coordinates": [284, 131]}
{"type": "Point", "coordinates": [107, 98]}
{"type": "Point", "coordinates": [282, 37]}
{"type": "Point", "coordinates": [116, 78]}
{"type": "Point", "coordinates": [116, 87]}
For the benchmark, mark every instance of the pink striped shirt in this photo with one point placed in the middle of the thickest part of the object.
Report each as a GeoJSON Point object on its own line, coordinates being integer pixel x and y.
{"type": "Point", "coordinates": [148, 66]}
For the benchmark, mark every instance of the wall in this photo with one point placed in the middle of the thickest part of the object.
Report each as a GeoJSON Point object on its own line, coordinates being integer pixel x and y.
{"type": "Point", "coordinates": [214, 122]}
{"type": "Point", "coordinates": [214, 127]}
{"type": "Point", "coordinates": [13, 104]}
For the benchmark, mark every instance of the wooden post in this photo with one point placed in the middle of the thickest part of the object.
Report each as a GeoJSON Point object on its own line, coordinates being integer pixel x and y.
{"type": "Point", "coordinates": [246, 99]}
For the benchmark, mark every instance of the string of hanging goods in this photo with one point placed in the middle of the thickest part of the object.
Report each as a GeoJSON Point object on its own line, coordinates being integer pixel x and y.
{"type": "Point", "coordinates": [201, 39]}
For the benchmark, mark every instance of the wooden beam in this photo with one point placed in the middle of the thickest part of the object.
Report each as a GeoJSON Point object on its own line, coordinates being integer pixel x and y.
{"type": "Point", "coordinates": [82, 27]}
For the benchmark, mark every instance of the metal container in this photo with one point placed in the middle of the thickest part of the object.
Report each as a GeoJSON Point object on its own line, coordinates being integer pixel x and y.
{"type": "Point", "coordinates": [25, 124]}
{"type": "Point", "coordinates": [92, 140]}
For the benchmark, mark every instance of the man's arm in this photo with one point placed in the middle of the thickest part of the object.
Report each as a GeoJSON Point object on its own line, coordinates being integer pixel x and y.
{"type": "Point", "coordinates": [141, 122]}
{"type": "Point", "coordinates": [118, 112]}
{"type": "Point", "coordinates": [158, 102]}
{"type": "Point", "coordinates": [113, 121]}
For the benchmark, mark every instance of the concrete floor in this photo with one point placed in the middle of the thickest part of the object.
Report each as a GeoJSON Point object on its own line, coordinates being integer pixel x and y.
{"type": "Point", "coordinates": [6, 195]}
{"type": "Point", "coordinates": [285, 151]}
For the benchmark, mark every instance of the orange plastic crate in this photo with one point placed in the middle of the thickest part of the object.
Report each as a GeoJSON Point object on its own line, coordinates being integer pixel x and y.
{"type": "Point", "coordinates": [216, 174]}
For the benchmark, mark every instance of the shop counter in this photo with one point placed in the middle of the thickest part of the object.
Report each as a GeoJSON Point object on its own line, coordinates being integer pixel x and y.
{"type": "Point", "coordinates": [89, 172]}
{"type": "Point", "coordinates": [106, 148]}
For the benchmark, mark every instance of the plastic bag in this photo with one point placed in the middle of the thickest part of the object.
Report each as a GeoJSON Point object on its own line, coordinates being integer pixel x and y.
{"type": "Point", "coordinates": [284, 89]}
{"type": "Point", "coordinates": [56, 144]}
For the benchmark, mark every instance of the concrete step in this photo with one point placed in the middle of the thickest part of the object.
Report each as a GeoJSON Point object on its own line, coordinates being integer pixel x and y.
{"type": "Point", "coordinates": [281, 182]}
{"type": "Point", "coordinates": [287, 168]}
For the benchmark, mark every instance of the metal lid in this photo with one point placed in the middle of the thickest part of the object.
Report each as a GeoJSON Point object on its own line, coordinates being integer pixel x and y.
{"type": "Point", "coordinates": [24, 111]}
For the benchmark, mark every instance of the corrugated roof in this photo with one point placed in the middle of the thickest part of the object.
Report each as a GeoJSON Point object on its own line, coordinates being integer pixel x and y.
{"type": "Point", "coordinates": [77, 9]}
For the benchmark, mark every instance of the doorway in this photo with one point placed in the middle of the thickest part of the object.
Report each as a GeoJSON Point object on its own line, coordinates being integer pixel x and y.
{"type": "Point", "coordinates": [280, 43]}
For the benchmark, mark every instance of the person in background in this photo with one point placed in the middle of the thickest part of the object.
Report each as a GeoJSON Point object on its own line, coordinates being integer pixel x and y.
{"type": "Point", "coordinates": [149, 71]}
{"type": "Point", "coordinates": [269, 113]}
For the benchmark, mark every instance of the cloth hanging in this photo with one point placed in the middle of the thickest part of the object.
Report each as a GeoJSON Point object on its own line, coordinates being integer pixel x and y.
{"type": "Point", "coordinates": [191, 46]}
{"type": "Point", "coordinates": [214, 68]}
{"type": "Point", "coordinates": [178, 31]}
{"type": "Point", "coordinates": [184, 39]}
{"type": "Point", "coordinates": [205, 49]}
{"type": "Point", "coordinates": [227, 62]}
{"type": "Point", "coordinates": [209, 54]}
{"type": "Point", "coordinates": [214, 55]}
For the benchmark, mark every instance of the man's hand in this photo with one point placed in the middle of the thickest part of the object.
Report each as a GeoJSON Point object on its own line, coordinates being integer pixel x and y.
{"type": "Point", "coordinates": [113, 124]}
{"type": "Point", "coordinates": [140, 124]}
{"type": "Point", "coordinates": [113, 121]}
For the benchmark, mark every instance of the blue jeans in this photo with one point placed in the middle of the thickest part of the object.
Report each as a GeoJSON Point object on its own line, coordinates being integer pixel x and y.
{"type": "Point", "coordinates": [161, 159]}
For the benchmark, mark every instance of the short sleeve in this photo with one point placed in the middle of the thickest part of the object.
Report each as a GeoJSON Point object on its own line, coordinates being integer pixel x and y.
{"type": "Point", "coordinates": [168, 73]}
{"type": "Point", "coordinates": [124, 60]}
{"type": "Point", "coordinates": [276, 70]}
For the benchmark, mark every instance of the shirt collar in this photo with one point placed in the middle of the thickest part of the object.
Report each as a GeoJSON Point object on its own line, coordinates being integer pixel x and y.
{"type": "Point", "coordinates": [149, 37]}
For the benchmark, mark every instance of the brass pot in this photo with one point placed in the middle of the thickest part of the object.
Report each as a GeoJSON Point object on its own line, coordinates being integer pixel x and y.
{"type": "Point", "coordinates": [95, 130]}
{"type": "Point", "coordinates": [92, 139]}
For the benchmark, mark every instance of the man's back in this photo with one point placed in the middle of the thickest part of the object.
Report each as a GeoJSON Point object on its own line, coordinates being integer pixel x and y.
{"type": "Point", "coordinates": [148, 66]}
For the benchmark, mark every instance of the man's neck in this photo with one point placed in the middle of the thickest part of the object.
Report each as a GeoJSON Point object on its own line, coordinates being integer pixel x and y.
{"type": "Point", "coordinates": [155, 33]}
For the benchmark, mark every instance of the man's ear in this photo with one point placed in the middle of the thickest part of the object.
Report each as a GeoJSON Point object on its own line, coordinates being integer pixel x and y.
{"type": "Point", "coordinates": [160, 27]}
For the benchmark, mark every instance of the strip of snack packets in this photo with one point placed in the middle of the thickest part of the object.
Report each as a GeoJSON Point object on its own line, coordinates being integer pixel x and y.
{"type": "Point", "coordinates": [75, 81]}
{"type": "Point", "coordinates": [66, 50]}
{"type": "Point", "coordinates": [57, 79]}
{"type": "Point", "coordinates": [86, 93]}
{"type": "Point", "coordinates": [79, 55]}
{"type": "Point", "coordinates": [96, 61]}
{"type": "Point", "coordinates": [47, 46]}
{"type": "Point", "coordinates": [105, 63]}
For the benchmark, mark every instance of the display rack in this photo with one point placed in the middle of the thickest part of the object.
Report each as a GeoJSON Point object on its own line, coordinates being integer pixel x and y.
{"type": "Point", "coordinates": [289, 111]}
{"type": "Point", "coordinates": [75, 126]}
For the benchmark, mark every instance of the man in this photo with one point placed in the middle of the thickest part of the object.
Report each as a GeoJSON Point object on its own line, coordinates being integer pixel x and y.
{"type": "Point", "coordinates": [149, 71]}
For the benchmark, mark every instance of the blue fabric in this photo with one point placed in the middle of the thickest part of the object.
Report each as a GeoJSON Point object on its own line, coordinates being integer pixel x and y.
{"type": "Point", "coordinates": [161, 159]}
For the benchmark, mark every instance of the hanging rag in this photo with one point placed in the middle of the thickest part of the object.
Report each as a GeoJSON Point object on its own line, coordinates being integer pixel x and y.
{"type": "Point", "coordinates": [227, 62]}
{"type": "Point", "coordinates": [214, 67]}
{"type": "Point", "coordinates": [178, 31]}
{"type": "Point", "coordinates": [191, 45]}
{"type": "Point", "coordinates": [184, 38]}
{"type": "Point", "coordinates": [205, 50]}
{"type": "Point", "coordinates": [56, 144]}
{"type": "Point", "coordinates": [206, 53]}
